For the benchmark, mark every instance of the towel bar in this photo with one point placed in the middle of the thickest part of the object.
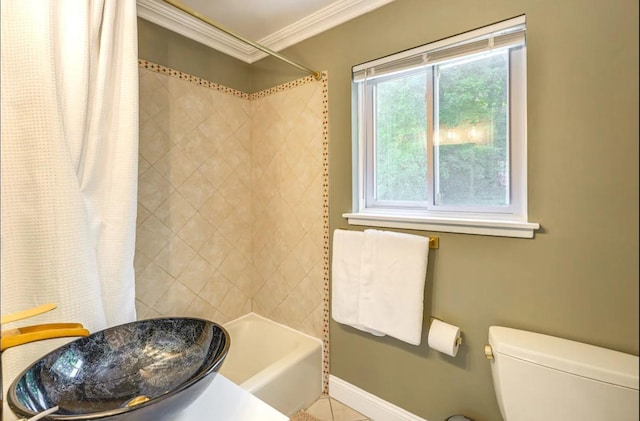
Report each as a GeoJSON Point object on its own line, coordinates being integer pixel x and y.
{"type": "Point", "coordinates": [434, 242]}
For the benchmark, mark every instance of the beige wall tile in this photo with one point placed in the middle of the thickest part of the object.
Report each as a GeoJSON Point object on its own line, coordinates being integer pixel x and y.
{"type": "Point", "coordinates": [175, 256]}
{"type": "Point", "coordinates": [175, 212]}
{"type": "Point", "coordinates": [230, 203]}
{"type": "Point", "coordinates": [215, 290]}
{"type": "Point", "coordinates": [236, 303]}
{"type": "Point", "coordinates": [196, 231]}
{"type": "Point", "coordinates": [151, 284]}
{"type": "Point", "coordinates": [197, 274]}
{"type": "Point", "coordinates": [157, 142]}
{"type": "Point", "coordinates": [201, 309]}
{"type": "Point", "coordinates": [175, 301]}
{"type": "Point", "coordinates": [151, 236]}
{"type": "Point", "coordinates": [143, 311]}
{"type": "Point", "coordinates": [196, 189]}
{"type": "Point", "coordinates": [153, 189]}
{"type": "Point", "coordinates": [175, 166]}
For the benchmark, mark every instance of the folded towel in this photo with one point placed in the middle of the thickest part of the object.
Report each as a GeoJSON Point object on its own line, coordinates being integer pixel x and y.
{"type": "Point", "coordinates": [393, 272]}
{"type": "Point", "coordinates": [345, 278]}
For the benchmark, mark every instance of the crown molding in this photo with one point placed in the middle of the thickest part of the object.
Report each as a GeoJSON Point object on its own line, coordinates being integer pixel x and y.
{"type": "Point", "coordinates": [168, 17]}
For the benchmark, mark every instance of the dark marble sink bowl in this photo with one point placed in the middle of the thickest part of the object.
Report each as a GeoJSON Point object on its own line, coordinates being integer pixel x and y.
{"type": "Point", "coordinates": [145, 370]}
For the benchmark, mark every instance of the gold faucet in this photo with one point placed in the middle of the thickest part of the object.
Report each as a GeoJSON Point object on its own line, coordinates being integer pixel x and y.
{"type": "Point", "coordinates": [23, 335]}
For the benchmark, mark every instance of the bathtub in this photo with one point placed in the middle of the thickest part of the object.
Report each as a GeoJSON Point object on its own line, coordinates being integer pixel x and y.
{"type": "Point", "coordinates": [277, 364]}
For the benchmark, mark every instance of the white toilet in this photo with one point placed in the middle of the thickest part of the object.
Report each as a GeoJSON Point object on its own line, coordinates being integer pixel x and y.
{"type": "Point", "coordinates": [543, 378]}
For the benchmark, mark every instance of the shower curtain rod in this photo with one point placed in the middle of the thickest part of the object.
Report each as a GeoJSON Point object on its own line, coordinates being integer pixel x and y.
{"type": "Point", "coordinates": [186, 9]}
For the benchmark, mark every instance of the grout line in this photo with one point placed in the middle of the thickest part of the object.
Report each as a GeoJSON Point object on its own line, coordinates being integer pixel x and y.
{"type": "Point", "coordinates": [331, 408]}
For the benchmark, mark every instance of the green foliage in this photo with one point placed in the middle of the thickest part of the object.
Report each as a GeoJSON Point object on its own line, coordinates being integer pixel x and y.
{"type": "Point", "coordinates": [470, 171]}
{"type": "Point", "coordinates": [472, 175]}
{"type": "Point", "coordinates": [474, 93]}
{"type": "Point", "coordinates": [401, 159]}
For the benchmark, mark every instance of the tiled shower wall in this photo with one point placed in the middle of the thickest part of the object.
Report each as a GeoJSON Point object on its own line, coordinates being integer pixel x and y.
{"type": "Point", "coordinates": [230, 204]}
{"type": "Point", "coordinates": [287, 180]}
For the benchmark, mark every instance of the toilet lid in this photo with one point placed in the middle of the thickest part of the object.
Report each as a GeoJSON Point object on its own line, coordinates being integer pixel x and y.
{"type": "Point", "coordinates": [589, 361]}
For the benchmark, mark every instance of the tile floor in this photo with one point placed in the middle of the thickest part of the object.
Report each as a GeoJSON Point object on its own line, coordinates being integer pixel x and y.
{"type": "Point", "coordinates": [329, 409]}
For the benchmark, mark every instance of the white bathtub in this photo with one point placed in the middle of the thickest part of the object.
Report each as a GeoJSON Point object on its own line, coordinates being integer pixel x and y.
{"type": "Point", "coordinates": [279, 365]}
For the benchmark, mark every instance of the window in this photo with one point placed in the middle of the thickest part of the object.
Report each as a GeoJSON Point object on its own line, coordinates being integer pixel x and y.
{"type": "Point", "coordinates": [440, 135]}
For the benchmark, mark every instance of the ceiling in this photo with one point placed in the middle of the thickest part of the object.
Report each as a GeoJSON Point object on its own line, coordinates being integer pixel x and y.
{"type": "Point", "coordinates": [275, 24]}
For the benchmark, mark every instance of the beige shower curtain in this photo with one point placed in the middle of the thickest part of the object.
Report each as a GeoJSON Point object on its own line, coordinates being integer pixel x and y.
{"type": "Point", "coordinates": [68, 163]}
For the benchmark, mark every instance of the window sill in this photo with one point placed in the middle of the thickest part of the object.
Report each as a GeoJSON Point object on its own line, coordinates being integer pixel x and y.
{"type": "Point", "coordinates": [503, 228]}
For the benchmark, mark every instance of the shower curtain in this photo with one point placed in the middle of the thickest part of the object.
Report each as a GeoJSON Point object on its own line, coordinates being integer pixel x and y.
{"type": "Point", "coordinates": [69, 157]}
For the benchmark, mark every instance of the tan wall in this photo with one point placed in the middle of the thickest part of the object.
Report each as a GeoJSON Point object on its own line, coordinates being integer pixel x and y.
{"type": "Point", "coordinates": [579, 277]}
{"type": "Point", "coordinates": [159, 45]}
{"type": "Point", "coordinates": [230, 201]}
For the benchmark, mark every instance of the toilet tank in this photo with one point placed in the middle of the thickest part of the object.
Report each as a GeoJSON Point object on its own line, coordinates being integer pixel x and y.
{"type": "Point", "coordinates": [540, 377]}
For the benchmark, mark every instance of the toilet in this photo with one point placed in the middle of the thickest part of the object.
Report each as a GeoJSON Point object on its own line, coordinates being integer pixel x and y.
{"type": "Point", "coordinates": [539, 377]}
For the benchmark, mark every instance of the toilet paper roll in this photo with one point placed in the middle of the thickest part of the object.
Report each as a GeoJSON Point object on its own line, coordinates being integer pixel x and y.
{"type": "Point", "coordinates": [444, 337]}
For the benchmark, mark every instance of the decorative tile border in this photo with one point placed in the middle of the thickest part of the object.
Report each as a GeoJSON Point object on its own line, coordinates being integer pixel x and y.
{"type": "Point", "coordinates": [190, 78]}
{"type": "Point", "coordinates": [158, 68]}
{"type": "Point", "coordinates": [287, 86]}
{"type": "Point", "coordinates": [325, 175]}
{"type": "Point", "coordinates": [325, 231]}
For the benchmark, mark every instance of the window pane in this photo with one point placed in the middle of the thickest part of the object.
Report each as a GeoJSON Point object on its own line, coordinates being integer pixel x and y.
{"type": "Point", "coordinates": [400, 127]}
{"type": "Point", "coordinates": [472, 149]}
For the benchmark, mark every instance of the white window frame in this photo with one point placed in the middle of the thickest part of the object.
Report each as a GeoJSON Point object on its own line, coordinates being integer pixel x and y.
{"type": "Point", "coordinates": [510, 221]}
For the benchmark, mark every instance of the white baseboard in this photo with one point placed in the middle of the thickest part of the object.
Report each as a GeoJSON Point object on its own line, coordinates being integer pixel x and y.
{"type": "Point", "coordinates": [367, 404]}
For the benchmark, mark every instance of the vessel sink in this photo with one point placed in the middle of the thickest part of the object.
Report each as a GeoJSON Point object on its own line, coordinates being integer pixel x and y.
{"type": "Point", "coordinates": [144, 370]}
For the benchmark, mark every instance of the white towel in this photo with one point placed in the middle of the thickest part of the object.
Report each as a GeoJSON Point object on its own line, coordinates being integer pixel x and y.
{"type": "Point", "coordinates": [346, 278]}
{"type": "Point", "coordinates": [394, 267]}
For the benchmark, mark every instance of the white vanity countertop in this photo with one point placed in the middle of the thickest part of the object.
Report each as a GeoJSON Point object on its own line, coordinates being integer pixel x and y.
{"type": "Point", "coordinates": [224, 401]}
{"type": "Point", "coordinates": [221, 401]}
